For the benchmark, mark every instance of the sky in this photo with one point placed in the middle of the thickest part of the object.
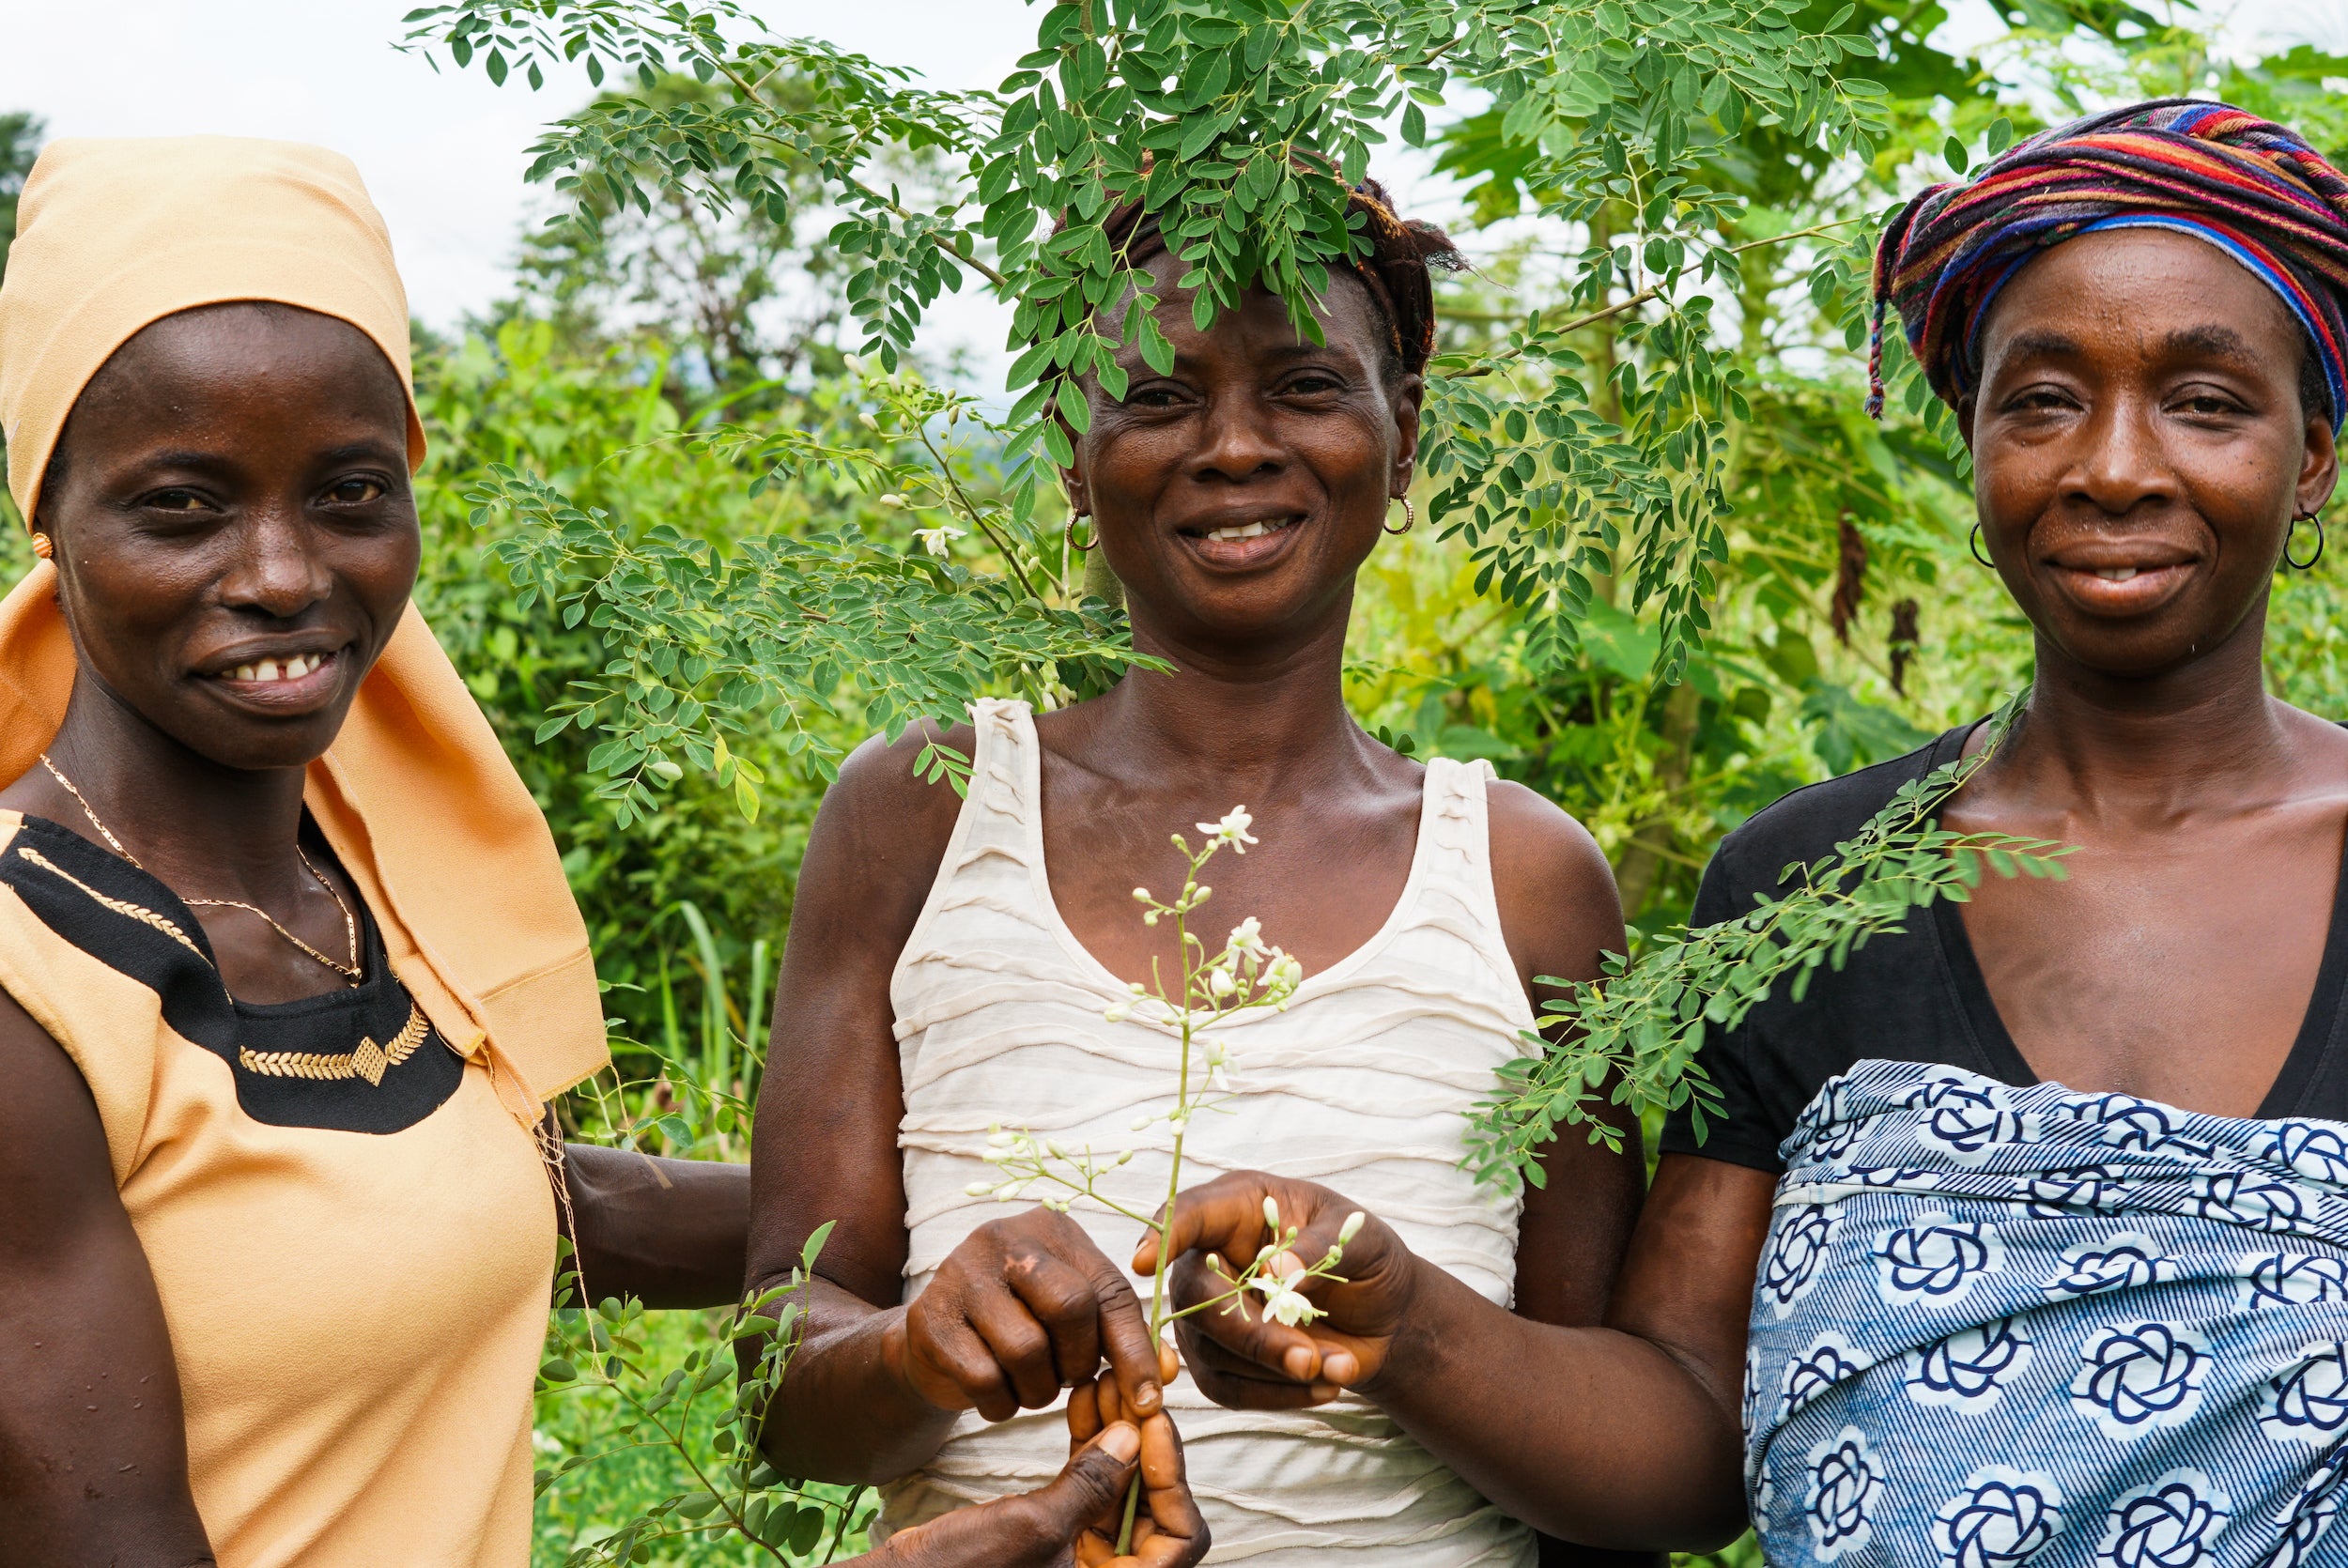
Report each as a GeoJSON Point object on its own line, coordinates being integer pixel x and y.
{"type": "Point", "coordinates": [444, 153]}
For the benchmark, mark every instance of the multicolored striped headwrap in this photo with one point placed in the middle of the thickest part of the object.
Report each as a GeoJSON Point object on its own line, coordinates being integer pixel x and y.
{"type": "Point", "coordinates": [2254, 190]}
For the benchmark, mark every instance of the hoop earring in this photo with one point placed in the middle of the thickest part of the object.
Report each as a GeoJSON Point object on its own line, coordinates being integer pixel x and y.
{"type": "Point", "coordinates": [41, 547]}
{"type": "Point", "coordinates": [1972, 542]}
{"type": "Point", "coordinates": [1409, 518]}
{"type": "Point", "coordinates": [2308, 564]}
{"type": "Point", "coordinates": [1086, 548]}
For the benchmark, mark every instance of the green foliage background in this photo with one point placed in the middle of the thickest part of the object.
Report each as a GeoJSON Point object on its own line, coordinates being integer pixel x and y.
{"type": "Point", "coordinates": [652, 367]}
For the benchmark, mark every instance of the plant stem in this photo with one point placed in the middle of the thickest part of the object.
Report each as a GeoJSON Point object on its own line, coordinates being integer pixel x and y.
{"type": "Point", "coordinates": [1654, 290]}
{"type": "Point", "coordinates": [1174, 1173]}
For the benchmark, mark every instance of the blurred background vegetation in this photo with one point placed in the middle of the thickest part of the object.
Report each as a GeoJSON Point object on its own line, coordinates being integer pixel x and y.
{"type": "Point", "coordinates": [1850, 622]}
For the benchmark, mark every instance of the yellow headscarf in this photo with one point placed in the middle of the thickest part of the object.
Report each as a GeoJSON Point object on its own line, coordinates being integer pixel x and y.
{"type": "Point", "coordinates": [416, 795]}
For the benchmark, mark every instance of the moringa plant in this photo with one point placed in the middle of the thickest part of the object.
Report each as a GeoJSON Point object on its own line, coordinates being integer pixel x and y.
{"type": "Point", "coordinates": [1637, 1026]}
{"type": "Point", "coordinates": [1242, 125]}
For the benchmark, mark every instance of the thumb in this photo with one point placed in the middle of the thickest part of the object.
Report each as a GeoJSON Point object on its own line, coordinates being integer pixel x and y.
{"type": "Point", "coordinates": [1093, 1481]}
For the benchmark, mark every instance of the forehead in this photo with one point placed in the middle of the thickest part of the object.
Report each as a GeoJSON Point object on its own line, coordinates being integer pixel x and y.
{"type": "Point", "coordinates": [218, 358]}
{"type": "Point", "coordinates": [1261, 325]}
{"type": "Point", "coordinates": [2133, 291]}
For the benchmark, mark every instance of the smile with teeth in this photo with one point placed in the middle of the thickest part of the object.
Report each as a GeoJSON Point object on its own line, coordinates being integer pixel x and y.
{"type": "Point", "coordinates": [1251, 530]}
{"type": "Point", "coordinates": [266, 670]}
{"type": "Point", "coordinates": [2115, 574]}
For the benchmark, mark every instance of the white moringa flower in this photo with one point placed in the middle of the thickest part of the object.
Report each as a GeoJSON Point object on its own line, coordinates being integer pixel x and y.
{"type": "Point", "coordinates": [934, 540]}
{"type": "Point", "coordinates": [1219, 982]}
{"type": "Point", "coordinates": [1283, 1302]}
{"type": "Point", "coordinates": [1232, 829]}
{"type": "Point", "coordinates": [1247, 937]}
{"type": "Point", "coordinates": [1352, 1226]}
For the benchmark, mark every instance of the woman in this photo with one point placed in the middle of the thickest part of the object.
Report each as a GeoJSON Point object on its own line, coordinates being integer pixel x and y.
{"type": "Point", "coordinates": [1994, 1315]}
{"type": "Point", "coordinates": [951, 962]}
{"type": "Point", "coordinates": [288, 969]}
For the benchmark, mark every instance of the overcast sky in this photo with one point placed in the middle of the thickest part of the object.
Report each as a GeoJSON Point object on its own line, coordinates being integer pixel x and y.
{"type": "Point", "coordinates": [443, 153]}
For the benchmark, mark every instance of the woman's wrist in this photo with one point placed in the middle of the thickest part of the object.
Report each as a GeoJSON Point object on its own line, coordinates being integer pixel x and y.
{"type": "Point", "coordinates": [1422, 1311]}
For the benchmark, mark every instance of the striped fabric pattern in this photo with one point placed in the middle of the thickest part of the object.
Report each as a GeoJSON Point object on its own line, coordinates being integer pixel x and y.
{"type": "Point", "coordinates": [2255, 189]}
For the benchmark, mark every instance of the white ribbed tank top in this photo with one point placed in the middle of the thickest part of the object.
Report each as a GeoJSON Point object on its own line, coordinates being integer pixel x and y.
{"type": "Point", "coordinates": [1361, 1085]}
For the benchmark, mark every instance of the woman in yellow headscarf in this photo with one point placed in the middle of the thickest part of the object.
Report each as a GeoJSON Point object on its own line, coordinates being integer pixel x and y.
{"type": "Point", "coordinates": [288, 969]}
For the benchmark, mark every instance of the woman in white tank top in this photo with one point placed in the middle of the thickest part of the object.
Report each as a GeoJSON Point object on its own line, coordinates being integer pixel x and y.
{"type": "Point", "coordinates": [951, 963]}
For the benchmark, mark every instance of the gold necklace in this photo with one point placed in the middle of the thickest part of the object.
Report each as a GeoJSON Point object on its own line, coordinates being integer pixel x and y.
{"type": "Point", "coordinates": [350, 925]}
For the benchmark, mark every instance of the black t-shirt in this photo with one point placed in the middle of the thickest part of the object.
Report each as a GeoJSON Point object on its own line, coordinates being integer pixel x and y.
{"type": "Point", "coordinates": [1911, 996]}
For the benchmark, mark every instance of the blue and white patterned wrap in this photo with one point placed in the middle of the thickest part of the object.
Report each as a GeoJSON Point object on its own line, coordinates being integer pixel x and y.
{"type": "Point", "coordinates": [1997, 1326]}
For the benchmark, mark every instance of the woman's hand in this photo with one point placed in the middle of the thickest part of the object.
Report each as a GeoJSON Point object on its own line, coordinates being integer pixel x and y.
{"type": "Point", "coordinates": [1242, 1359]}
{"type": "Point", "coordinates": [1024, 1307]}
{"type": "Point", "coordinates": [1076, 1519]}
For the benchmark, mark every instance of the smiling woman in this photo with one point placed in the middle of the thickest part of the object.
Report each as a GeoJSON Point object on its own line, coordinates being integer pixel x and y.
{"type": "Point", "coordinates": [951, 962]}
{"type": "Point", "coordinates": [277, 1210]}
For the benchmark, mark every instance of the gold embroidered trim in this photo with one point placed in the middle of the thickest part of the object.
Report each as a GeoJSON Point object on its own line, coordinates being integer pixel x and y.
{"type": "Point", "coordinates": [142, 915]}
{"type": "Point", "coordinates": [370, 1061]}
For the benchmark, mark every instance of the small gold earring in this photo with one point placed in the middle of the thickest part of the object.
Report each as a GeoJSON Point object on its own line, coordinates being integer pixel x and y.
{"type": "Point", "coordinates": [43, 547]}
{"type": "Point", "coordinates": [1410, 518]}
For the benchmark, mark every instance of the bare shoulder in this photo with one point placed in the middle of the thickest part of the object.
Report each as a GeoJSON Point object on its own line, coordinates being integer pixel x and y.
{"type": "Point", "coordinates": [881, 833]}
{"type": "Point", "coordinates": [1558, 906]}
{"type": "Point", "coordinates": [883, 775]}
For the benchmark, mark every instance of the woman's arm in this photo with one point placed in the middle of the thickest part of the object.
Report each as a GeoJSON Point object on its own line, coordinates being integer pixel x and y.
{"type": "Point", "coordinates": [1024, 1307]}
{"type": "Point", "coordinates": [672, 1233]}
{"type": "Point", "coordinates": [93, 1448]}
{"type": "Point", "coordinates": [1624, 1436]}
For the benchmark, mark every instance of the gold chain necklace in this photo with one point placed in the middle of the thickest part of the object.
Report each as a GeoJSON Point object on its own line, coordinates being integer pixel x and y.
{"type": "Point", "coordinates": [350, 925]}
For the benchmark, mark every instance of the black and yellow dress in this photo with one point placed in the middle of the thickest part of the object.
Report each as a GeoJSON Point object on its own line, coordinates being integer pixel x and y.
{"type": "Point", "coordinates": [350, 1234]}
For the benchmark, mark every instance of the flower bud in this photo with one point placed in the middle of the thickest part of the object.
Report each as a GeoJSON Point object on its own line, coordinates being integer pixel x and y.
{"type": "Point", "coordinates": [979, 1188]}
{"type": "Point", "coordinates": [1007, 1191]}
{"type": "Point", "coordinates": [893, 500]}
{"type": "Point", "coordinates": [1141, 1124]}
{"type": "Point", "coordinates": [865, 419]}
{"type": "Point", "coordinates": [1272, 1213]}
{"type": "Point", "coordinates": [1352, 1226]}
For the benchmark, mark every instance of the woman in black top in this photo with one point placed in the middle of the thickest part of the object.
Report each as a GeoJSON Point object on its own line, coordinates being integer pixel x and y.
{"type": "Point", "coordinates": [2062, 952]}
{"type": "Point", "coordinates": [2150, 416]}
